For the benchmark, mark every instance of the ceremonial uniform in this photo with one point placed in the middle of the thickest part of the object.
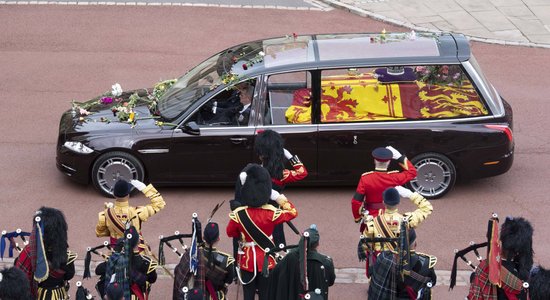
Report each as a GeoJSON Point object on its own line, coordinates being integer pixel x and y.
{"type": "Point", "coordinates": [285, 281]}
{"type": "Point", "coordinates": [506, 269]}
{"type": "Point", "coordinates": [386, 283]}
{"type": "Point", "coordinates": [254, 224]}
{"type": "Point", "coordinates": [142, 270]}
{"type": "Point", "coordinates": [368, 195]}
{"type": "Point", "coordinates": [388, 222]}
{"type": "Point", "coordinates": [265, 218]}
{"type": "Point", "coordinates": [511, 285]}
{"type": "Point", "coordinates": [46, 261]}
{"type": "Point", "coordinates": [112, 220]}
{"type": "Point", "coordinates": [297, 173]}
{"type": "Point", "coordinates": [55, 286]}
{"type": "Point", "coordinates": [269, 146]}
{"type": "Point", "coordinates": [210, 280]}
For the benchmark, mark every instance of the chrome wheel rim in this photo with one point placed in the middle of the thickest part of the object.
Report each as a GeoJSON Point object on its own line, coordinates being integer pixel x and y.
{"type": "Point", "coordinates": [433, 177]}
{"type": "Point", "coordinates": [114, 169]}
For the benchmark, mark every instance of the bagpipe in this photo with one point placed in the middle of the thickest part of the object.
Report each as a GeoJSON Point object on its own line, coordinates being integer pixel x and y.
{"type": "Point", "coordinates": [10, 237]}
{"type": "Point", "coordinates": [94, 250]}
{"type": "Point", "coordinates": [196, 241]}
{"type": "Point", "coordinates": [493, 260]}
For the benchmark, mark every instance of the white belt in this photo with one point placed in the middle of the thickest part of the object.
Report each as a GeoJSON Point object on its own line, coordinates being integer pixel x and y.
{"type": "Point", "coordinates": [252, 244]}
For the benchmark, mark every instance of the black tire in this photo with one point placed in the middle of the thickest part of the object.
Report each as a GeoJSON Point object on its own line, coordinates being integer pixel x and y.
{"type": "Point", "coordinates": [436, 175]}
{"type": "Point", "coordinates": [111, 166]}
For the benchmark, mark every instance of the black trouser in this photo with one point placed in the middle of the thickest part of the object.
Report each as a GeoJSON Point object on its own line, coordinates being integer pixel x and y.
{"type": "Point", "coordinates": [259, 284]}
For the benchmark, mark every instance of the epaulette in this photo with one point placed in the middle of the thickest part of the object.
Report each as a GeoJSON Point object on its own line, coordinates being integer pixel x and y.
{"type": "Point", "coordinates": [71, 256]}
{"type": "Point", "coordinates": [276, 214]}
{"type": "Point", "coordinates": [433, 259]}
{"type": "Point", "coordinates": [367, 173]}
{"type": "Point", "coordinates": [151, 264]}
{"type": "Point", "coordinates": [269, 207]}
{"type": "Point", "coordinates": [233, 214]}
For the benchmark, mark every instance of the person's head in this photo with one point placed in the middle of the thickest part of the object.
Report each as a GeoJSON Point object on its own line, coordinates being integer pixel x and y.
{"type": "Point", "coordinates": [539, 284]}
{"type": "Point", "coordinates": [246, 91]}
{"type": "Point", "coordinates": [52, 222]}
{"type": "Point", "coordinates": [132, 235]}
{"type": "Point", "coordinates": [211, 233]}
{"type": "Point", "coordinates": [382, 158]}
{"type": "Point", "coordinates": [391, 198]}
{"type": "Point", "coordinates": [255, 185]}
{"type": "Point", "coordinates": [313, 237]}
{"type": "Point", "coordinates": [516, 236]}
{"type": "Point", "coordinates": [121, 190]}
{"type": "Point", "coordinates": [269, 147]}
{"type": "Point", "coordinates": [14, 285]}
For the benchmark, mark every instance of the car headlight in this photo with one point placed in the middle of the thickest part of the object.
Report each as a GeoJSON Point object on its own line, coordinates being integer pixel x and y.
{"type": "Point", "coordinates": [78, 147]}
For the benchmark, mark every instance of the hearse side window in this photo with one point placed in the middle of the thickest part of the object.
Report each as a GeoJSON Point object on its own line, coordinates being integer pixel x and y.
{"type": "Point", "coordinates": [398, 93]}
{"type": "Point", "coordinates": [230, 107]}
{"type": "Point", "coordinates": [289, 98]}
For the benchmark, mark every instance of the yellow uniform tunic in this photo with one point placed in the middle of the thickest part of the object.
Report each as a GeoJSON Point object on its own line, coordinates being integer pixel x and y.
{"type": "Point", "coordinates": [393, 219]}
{"type": "Point", "coordinates": [122, 212]}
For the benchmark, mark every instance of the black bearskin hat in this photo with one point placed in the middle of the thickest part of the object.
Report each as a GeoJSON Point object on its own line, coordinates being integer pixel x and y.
{"type": "Point", "coordinates": [539, 284]}
{"type": "Point", "coordinates": [14, 284]}
{"type": "Point", "coordinates": [516, 236]}
{"type": "Point", "coordinates": [269, 146]}
{"type": "Point", "coordinates": [255, 185]}
{"type": "Point", "coordinates": [55, 235]}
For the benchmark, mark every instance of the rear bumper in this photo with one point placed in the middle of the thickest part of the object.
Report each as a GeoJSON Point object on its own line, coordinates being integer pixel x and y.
{"type": "Point", "coordinates": [487, 166]}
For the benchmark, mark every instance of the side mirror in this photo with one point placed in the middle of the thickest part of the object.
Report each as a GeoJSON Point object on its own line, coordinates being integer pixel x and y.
{"type": "Point", "coordinates": [192, 128]}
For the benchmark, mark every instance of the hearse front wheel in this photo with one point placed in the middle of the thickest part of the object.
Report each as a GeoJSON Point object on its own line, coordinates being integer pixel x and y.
{"type": "Point", "coordinates": [111, 166]}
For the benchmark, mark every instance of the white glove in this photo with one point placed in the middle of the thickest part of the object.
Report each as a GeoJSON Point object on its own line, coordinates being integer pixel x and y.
{"type": "Point", "coordinates": [404, 192]}
{"type": "Point", "coordinates": [395, 153]}
{"type": "Point", "coordinates": [274, 195]}
{"type": "Point", "coordinates": [140, 186]}
{"type": "Point", "coordinates": [287, 154]}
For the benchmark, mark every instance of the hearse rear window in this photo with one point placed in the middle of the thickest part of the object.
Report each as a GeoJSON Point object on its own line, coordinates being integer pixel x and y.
{"type": "Point", "coordinates": [392, 93]}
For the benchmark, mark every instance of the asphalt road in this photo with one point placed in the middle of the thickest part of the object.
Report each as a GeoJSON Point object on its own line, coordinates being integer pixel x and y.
{"type": "Point", "coordinates": [50, 55]}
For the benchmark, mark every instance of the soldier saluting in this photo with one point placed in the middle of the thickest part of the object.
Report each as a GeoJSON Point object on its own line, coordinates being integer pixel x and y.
{"type": "Point", "coordinates": [113, 218]}
{"type": "Point", "coordinates": [368, 195]}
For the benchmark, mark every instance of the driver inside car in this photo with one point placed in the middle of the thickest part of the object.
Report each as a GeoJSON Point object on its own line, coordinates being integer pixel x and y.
{"type": "Point", "coordinates": [235, 110]}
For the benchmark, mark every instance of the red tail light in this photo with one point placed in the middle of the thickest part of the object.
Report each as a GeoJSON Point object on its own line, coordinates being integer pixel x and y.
{"type": "Point", "coordinates": [504, 129]}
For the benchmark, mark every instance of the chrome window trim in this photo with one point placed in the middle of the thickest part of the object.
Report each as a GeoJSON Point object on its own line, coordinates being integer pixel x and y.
{"type": "Point", "coordinates": [382, 124]}
{"type": "Point", "coordinates": [487, 92]}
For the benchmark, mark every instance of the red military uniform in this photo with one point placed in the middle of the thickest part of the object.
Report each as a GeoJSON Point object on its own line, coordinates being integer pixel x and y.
{"type": "Point", "coordinates": [298, 173]}
{"type": "Point", "coordinates": [265, 218]}
{"type": "Point", "coordinates": [371, 185]}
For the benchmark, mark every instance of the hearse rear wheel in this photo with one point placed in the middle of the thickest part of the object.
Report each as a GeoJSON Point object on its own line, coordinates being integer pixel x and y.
{"type": "Point", "coordinates": [436, 175]}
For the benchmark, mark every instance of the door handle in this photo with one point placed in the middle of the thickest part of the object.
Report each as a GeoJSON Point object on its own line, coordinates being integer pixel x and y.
{"type": "Point", "coordinates": [238, 140]}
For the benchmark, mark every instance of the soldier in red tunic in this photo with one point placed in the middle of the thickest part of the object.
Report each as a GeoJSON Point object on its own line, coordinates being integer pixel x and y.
{"type": "Point", "coordinates": [253, 223]}
{"type": "Point", "coordinates": [368, 196]}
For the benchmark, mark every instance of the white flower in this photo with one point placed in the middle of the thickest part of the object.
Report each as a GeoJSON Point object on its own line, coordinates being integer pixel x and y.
{"type": "Point", "coordinates": [412, 35]}
{"type": "Point", "coordinates": [261, 53]}
{"type": "Point", "coordinates": [116, 90]}
{"type": "Point", "coordinates": [109, 205]}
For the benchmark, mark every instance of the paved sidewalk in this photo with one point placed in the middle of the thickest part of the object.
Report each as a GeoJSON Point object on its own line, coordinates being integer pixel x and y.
{"type": "Point", "coordinates": [507, 22]}
{"type": "Point", "coordinates": [343, 275]}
